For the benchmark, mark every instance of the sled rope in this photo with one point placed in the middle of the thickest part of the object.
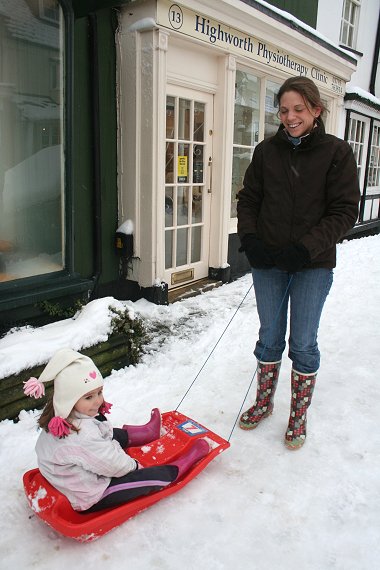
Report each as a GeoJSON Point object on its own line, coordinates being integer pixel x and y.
{"type": "Point", "coordinates": [209, 356]}
{"type": "Point", "coordinates": [261, 357]}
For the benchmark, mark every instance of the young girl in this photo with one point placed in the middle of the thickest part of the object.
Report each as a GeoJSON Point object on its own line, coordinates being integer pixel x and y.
{"type": "Point", "coordinates": [80, 453]}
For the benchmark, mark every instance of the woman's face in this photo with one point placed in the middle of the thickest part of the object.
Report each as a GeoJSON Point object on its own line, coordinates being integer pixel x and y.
{"type": "Point", "coordinates": [296, 116]}
{"type": "Point", "coordinates": [90, 403]}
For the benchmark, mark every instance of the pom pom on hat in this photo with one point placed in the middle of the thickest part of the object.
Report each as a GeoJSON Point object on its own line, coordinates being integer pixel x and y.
{"type": "Point", "coordinates": [34, 387]}
{"type": "Point", "coordinates": [74, 375]}
{"type": "Point", "coordinates": [59, 427]}
{"type": "Point", "coordinates": [105, 408]}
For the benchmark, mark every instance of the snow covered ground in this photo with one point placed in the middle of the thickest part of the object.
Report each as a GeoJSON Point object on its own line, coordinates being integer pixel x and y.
{"type": "Point", "coordinates": [257, 505]}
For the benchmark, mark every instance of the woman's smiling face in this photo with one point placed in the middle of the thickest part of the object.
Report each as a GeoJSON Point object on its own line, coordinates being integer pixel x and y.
{"type": "Point", "coordinates": [297, 117]}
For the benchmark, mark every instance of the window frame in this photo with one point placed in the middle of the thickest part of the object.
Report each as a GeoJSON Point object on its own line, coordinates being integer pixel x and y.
{"type": "Point", "coordinates": [348, 26]}
{"type": "Point", "coordinates": [364, 142]}
{"type": "Point", "coordinates": [375, 189]}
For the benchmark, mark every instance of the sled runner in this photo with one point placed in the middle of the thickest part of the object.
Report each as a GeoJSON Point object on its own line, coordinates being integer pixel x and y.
{"type": "Point", "coordinates": [179, 432]}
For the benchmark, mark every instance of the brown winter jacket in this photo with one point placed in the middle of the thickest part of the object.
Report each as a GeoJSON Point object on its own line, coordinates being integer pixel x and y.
{"type": "Point", "coordinates": [307, 193]}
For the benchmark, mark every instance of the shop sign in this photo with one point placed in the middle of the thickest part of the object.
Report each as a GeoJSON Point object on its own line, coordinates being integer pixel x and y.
{"type": "Point", "coordinates": [176, 17]}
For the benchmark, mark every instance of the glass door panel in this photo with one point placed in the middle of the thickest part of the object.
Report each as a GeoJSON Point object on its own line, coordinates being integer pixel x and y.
{"type": "Point", "coordinates": [187, 197]}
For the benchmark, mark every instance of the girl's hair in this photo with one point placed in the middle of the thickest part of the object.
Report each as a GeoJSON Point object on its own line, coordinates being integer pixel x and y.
{"type": "Point", "coordinates": [47, 414]}
{"type": "Point", "coordinates": [306, 88]}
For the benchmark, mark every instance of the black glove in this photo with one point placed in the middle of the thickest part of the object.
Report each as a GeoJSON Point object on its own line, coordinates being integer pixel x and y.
{"type": "Point", "coordinates": [293, 258]}
{"type": "Point", "coordinates": [256, 251]}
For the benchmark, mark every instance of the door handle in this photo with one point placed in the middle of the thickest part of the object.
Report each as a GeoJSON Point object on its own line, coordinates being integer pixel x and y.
{"type": "Point", "coordinates": [209, 189]}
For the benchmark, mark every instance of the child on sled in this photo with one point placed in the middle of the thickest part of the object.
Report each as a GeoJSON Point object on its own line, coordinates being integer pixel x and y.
{"type": "Point", "coordinates": [78, 450]}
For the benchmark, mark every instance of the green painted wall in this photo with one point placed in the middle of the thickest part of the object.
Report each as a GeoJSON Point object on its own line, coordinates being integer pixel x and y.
{"type": "Point", "coordinates": [82, 161]}
{"type": "Point", "coordinates": [108, 137]}
{"type": "Point", "coordinates": [83, 141]}
{"type": "Point", "coordinates": [305, 10]}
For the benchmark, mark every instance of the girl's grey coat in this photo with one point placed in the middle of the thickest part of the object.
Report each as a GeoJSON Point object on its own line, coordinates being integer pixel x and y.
{"type": "Point", "coordinates": [82, 464]}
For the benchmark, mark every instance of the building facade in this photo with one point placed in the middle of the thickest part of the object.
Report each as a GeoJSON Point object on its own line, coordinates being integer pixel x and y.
{"type": "Point", "coordinates": [203, 94]}
{"type": "Point", "coordinates": [126, 128]}
{"type": "Point", "coordinates": [354, 25]}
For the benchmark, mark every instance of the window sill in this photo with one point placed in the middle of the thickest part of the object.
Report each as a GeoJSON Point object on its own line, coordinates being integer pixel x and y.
{"type": "Point", "coordinates": [352, 50]}
{"type": "Point", "coordinates": [19, 294]}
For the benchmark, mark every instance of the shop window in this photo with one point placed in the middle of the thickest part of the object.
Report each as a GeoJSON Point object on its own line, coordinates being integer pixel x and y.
{"type": "Point", "coordinates": [246, 129]}
{"type": "Point", "coordinates": [272, 121]}
{"type": "Point", "coordinates": [255, 117]}
{"type": "Point", "coordinates": [349, 23]}
{"type": "Point", "coordinates": [31, 140]}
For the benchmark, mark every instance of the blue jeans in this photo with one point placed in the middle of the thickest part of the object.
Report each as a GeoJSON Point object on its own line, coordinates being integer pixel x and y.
{"type": "Point", "coordinates": [307, 291]}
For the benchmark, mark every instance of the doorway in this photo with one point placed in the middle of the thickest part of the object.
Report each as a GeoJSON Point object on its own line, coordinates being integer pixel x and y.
{"type": "Point", "coordinates": [188, 185]}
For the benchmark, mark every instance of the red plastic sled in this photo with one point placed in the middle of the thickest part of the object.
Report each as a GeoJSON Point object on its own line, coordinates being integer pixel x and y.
{"type": "Point", "coordinates": [54, 508]}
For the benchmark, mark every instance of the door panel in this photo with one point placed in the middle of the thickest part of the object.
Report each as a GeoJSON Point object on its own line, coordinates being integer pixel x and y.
{"type": "Point", "coordinates": [188, 161]}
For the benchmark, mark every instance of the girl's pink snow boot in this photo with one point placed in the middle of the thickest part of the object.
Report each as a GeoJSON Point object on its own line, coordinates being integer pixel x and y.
{"type": "Point", "coordinates": [139, 435]}
{"type": "Point", "coordinates": [196, 452]}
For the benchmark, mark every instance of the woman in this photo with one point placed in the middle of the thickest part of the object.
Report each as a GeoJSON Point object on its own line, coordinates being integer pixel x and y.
{"type": "Point", "coordinates": [300, 197]}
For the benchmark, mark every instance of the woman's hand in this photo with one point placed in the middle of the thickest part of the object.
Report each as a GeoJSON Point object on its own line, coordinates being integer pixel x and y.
{"type": "Point", "coordinates": [293, 258]}
{"type": "Point", "coordinates": [256, 251]}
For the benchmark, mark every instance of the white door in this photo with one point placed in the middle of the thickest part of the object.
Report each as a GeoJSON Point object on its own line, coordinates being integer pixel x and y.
{"type": "Point", "coordinates": [188, 179]}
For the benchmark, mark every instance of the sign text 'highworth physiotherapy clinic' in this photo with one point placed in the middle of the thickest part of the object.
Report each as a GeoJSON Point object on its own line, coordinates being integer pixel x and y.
{"type": "Point", "coordinates": [185, 21]}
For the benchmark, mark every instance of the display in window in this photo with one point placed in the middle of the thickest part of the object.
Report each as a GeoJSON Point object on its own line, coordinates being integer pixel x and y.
{"type": "Point", "coordinates": [32, 230]}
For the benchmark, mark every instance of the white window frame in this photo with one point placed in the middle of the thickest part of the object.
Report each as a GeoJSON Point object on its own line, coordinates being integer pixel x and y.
{"type": "Point", "coordinates": [359, 125]}
{"type": "Point", "coordinates": [374, 162]}
{"type": "Point", "coordinates": [349, 25]}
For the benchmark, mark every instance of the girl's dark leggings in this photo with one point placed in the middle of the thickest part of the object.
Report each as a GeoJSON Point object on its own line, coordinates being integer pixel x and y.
{"type": "Point", "coordinates": [134, 484]}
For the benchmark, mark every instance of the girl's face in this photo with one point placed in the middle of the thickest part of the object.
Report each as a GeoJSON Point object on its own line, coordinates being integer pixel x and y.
{"type": "Point", "coordinates": [296, 116]}
{"type": "Point", "coordinates": [90, 403]}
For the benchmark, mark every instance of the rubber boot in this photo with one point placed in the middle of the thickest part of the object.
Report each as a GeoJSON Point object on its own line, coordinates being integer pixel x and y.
{"type": "Point", "coordinates": [267, 378]}
{"type": "Point", "coordinates": [197, 451]}
{"type": "Point", "coordinates": [302, 392]}
{"type": "Point", "coordinates": [139, 435]}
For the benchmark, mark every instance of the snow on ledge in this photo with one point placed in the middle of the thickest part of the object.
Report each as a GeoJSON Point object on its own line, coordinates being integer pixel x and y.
{"type": "Point", "coordinates": [26, 347]}
{"type": "Point", "coordinates": [355, 90]}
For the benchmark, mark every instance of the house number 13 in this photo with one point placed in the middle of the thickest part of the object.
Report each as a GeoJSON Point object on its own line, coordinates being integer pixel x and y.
{"type": "Point", "coordinates": [175, 16]}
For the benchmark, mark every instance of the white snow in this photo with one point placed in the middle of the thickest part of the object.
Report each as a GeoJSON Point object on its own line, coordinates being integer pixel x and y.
{"type": "Point", "coordinates": [257, 505]}
{"type": "Point", "coordinates": [362, 93]}
{"type": "Point", "coordinates": [126, 227]}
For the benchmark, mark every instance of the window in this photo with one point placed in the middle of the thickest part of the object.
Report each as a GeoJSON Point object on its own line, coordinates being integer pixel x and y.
{"type": "Point", "coordinates": [357, 135]}
{"type": "Point", "coordinates": [349, 24]}
{"type": "Point", "coordinates": [246, 129]}
{"type": "Point", "coordinates": [373, 182]}
{"type": "Point", "coordinates": [364, 138]}
{"type": "Point", "coordinates": [255, 117]}
{"type": "Point", "coordinates": [372, 198]}
{"type": "Point", "coordinates": [31, 142]}
{"type": "Point", "coordinates": [50, 10]}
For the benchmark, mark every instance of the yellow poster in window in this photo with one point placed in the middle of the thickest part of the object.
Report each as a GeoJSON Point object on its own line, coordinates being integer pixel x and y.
{"type": "Point", "coordinates": [182, 169]}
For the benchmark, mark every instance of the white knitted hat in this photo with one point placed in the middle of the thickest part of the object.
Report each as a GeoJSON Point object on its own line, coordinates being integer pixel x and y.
{"type": "Point", "coordinates": [74, 375]}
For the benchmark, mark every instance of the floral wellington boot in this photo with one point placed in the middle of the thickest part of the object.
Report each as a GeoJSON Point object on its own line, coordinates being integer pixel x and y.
{"type": "Point", "coordinates": [267, 378]}
{"type": "Point", "coordinates": [302, 392]}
